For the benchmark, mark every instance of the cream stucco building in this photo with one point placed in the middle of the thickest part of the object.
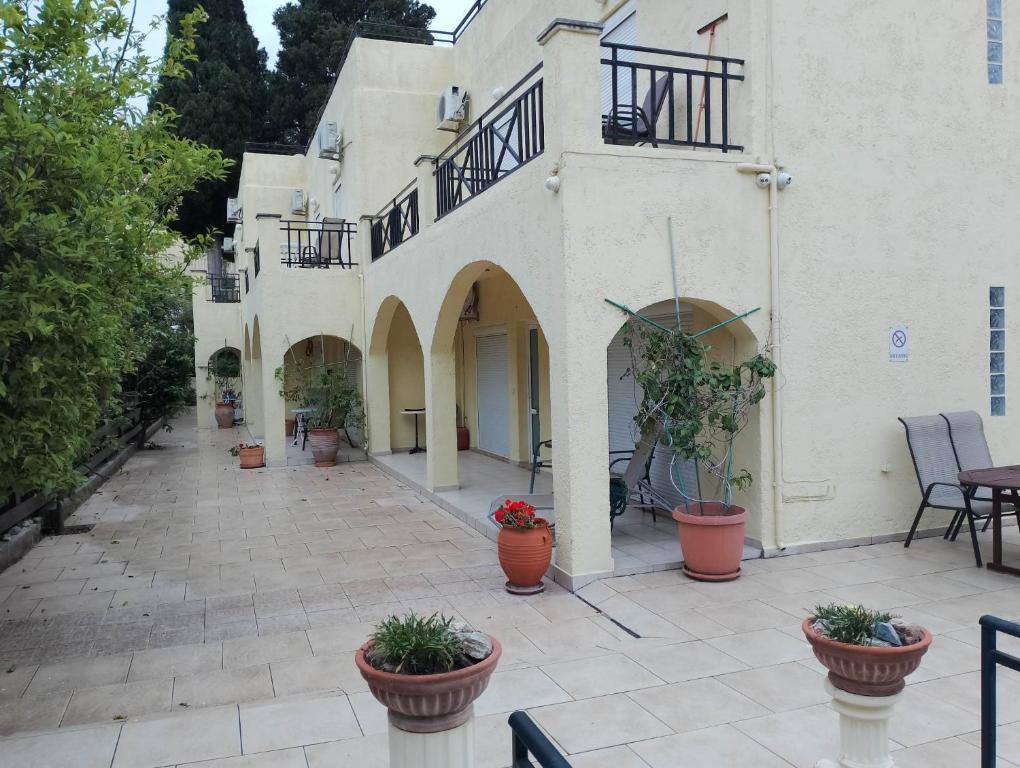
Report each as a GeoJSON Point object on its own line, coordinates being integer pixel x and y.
{"type": "Point", "coordinates": [845, 169]}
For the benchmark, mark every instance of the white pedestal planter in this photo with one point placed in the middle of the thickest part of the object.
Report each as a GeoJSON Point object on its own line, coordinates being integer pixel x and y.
{"type": "Point", "coordinates": [863, 729]}
{"type": "Point", "coordinates": [454, 748]}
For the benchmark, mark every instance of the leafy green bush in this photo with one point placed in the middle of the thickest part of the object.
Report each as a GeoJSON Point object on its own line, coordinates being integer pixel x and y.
{"type": "Point", "coordinates": [851, 624]}
{"type": "Point", "coordinates": [415, 645]}
{"type": "Point", "coordinates": [88, 187]}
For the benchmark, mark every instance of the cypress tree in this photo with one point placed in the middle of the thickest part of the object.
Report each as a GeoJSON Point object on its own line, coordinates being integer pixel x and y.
{"type": "Point", "coordinates": [221, 104]}
{"type": "Point", "coordinates": [314, 35]}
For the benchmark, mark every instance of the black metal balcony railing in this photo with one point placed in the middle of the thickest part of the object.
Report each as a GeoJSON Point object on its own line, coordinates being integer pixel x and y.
{"type": "Point", "coordinates": [991, 659]}
{"type": "Point", "coordinates": [318, 244]}
{"type": "Point", "coordinates": [226, 289]}
{"type": "Point", "coordinates": [395, 223]}
{"type": "Point", "coordinates": [656, 96]}
{"type": "Point", "coordinates": [506, 137]}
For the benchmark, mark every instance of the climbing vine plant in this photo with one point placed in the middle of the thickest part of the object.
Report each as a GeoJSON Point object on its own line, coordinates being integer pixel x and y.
{"type": "Point", "coordinates": [89, 183]}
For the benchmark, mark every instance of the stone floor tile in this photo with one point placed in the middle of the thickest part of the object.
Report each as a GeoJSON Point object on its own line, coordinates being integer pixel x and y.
{"type": "Point", "coordinates": [587, 678]}
{"type": "Point", "coordinates": [183, 737]}
{"type": "Point", "coordinates": [296, 722]}
{"type": "Point", "coordinates": [79, 673]}
{"type": "Point", "coordinates": [920, 718]}
{"type": "Point", "coordinates": [687, 661]}
{"type": "Point", "coordinates": [248, 651]}
{"type": "Point", "coordinates": [364, 752]}
{"type": "Point", "coordinates": [292, 623]}
{"type": "Point", "coordinates": [175, 661]}
{"type": "Point", "coordinates": [371, 715]}
{"type": "Point", "coordinates": [876, 596]}
{"type": "Point", "coordinates": [333, 640]}
{"type": "Point", "coordinates": [946, 753]}
{"type": "Point", "coordinates": [32, 713]}
{"type": "Point", "coordinates": [317, 674]}
{"type": "Point", "coordinates": [14, 679]}
{"type": "Point", "coordinates": [801, 736]}
{"type": "Point", "coordinates": [519, 689]}
{"type": "Point", "coordinates": [78, 748]}
{"type": "Point", "coordinates": [223, 686]}
{"type": "Point", "coordinates": [721, 747]}
{"type": "Point", "coordinates": [746, 616]}
{"type": "Point", "coordinates": [763, 648]}
{"type": "Point", "coordinates": [581, 726]}
{"type": "Point", "coordinates": [697, 704]}
{"type": "Point", "coordinates": [283, 758]}
{"type": "Point", "coordinates": [780, 688]}
{"type": "Point", "coordinates": [610, 757]}
{"type": "Point", "coordinates": [110, 703]}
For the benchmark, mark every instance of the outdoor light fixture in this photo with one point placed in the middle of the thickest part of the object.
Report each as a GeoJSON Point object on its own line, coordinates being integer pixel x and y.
{"type": "Point", "coordinates": [553, 184]}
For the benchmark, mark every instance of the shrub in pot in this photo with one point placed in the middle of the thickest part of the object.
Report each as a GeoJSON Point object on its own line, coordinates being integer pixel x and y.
{"type": "Point", "coordinates": [696, 406]}
{"type": "Point", "coordinates": [224, 368]}
{"type": "Point", "coordinates": [524, 545]}
{"type": "Point", "coordinates": [426, 671]}
{"type": "Point", "coordinates": [868, 653]}
{"type": "Point", "coordinates": [252, 455]}
{"type": "Point", "coordinates": [331, 392]}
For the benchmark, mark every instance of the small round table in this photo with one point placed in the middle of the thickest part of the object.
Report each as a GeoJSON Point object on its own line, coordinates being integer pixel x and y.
{"type": "Point", "coordinates": [1002, 481]}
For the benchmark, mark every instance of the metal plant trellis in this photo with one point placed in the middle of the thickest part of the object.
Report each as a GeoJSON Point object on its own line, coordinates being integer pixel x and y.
{"type": "Point", "coordinates": [718, 466]}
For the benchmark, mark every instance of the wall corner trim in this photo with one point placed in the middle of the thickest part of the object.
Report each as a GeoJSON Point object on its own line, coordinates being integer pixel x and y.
{"type": "Point", "coordinates": [569, 25]}
{"type": "Point", "coordinates": [425, 159]}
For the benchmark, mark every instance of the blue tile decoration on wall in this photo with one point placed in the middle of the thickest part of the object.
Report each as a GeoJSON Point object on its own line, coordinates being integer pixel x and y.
{"type": "Point", "coordinates": [997, 349]}
{"type": "Point", "coordinates": [993, 38]}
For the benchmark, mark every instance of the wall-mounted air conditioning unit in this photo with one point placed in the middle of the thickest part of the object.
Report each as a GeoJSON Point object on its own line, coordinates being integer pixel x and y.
{"type": "Point", "coordinates": [228, 245]}
{"type": "Point", "coordinates": [233, 210]}
{"type": "Point", "coordinates": [329, 141]}
{"type": "Point", "coordinates": [298, 201]}
{"type": "Point", "coordinates": [452, 108]}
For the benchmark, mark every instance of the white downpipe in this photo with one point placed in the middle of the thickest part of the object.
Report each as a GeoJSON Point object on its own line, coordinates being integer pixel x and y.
{"type": "Point", "coordinates": [365, 434]}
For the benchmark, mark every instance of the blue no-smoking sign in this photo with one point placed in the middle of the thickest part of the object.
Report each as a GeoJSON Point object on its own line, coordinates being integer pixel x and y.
{"type": "Point", "coordinates": [899, 344]}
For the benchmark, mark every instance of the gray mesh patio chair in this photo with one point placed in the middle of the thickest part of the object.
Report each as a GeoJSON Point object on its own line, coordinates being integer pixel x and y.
{"type": "Point", "coordinates": [967, 433]}
{"type": "Point", "coordinates": [935, 464]}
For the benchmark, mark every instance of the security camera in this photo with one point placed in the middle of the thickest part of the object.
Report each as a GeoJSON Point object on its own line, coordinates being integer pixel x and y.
{"type": "Point", "coordinates": [763, 180]}
{"type": "Point", "coordinates": [783, 180]}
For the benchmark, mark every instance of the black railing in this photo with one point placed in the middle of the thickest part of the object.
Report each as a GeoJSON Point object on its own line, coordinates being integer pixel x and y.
{"type": "Point", "coordinates": [318, 244]}
{"type": "Point", "coordinates": [257, 260]}
{"type": "Point", "coordinates": [529, 740]}
{"type": "Point", "coordinates": [247, 287]}
{"type": "Point", "coordinates": [395, 223]}
{"type": "Point", "coordinates": [273, 149]}
{"type": "Point", "coordinates": [656, 96]}
{"type": "Point", "coordinates": [991, 659]}
{"type": "Point", "coordinates": [226, 289]}
{"type": "Point", "coordinates": [506, 137]}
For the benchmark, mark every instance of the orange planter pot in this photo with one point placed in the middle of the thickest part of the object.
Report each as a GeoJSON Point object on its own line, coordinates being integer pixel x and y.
{"type": "Point", "coordinates": [325, 444]}
{"type": "Point", "coordinates": [712, 540]}
{"type": "Point", "coordinates": [224, 415]}
{"type": "Point", "coordinates": [252, 458]}
{"type": "Point", "coordinates": [524, 556]}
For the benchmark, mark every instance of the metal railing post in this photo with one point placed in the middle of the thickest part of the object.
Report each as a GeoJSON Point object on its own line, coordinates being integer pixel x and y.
{"type": "Point", "coordinates": [988, 647]}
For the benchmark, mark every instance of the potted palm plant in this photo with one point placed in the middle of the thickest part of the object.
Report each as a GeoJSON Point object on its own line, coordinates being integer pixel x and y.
{"type": "Point", "coordinates": [697, 406]}
{"type": "Point", "coordinates": [426, 671]}
{"type": "Point", "coordinates": [524, 546]}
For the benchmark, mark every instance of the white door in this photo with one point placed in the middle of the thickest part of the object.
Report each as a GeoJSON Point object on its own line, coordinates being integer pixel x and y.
{"type": "Point", "coordinates": [493, 395]}
{"type": "Point", "coordinates": [621, 28]}
{"type": "Point", "coordinates": [624, 397]}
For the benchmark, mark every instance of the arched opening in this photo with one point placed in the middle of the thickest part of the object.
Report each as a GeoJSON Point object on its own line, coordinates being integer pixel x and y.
{"type": "Point", "coordinates": [397, 339]}
{"type": "Point", "coordinates": [644, 534]}
{"type": "Point", "coordinates": [223, 371]}
{"type": "Point", "coordinates": [321, 381]}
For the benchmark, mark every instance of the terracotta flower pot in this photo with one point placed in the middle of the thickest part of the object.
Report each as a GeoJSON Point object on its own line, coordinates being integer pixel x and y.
{"type": "Point", "coordinates": [252, 458]}
{"type": "Point", "coordinates": [224, 415]}
{"type": "Point", "coordinates": [325, 443]}
{"type": "Point", "coordinates": [524, 556]}
{"type": "Point", "coordinates": [463, 438]}
{"type": "Point", "coordinates": [712, 540]}
{"type": "Point", "coordinates": [429, 703]}
{"type": "Point", "coordinates": [290, 426]}
{"type": "Point", "coordinates": [862, 669]}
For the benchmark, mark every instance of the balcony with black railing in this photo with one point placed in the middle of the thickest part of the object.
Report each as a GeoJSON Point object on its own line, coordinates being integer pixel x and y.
{"type": "Point", "coordinates": [396, 223]}
{"type": "Point", "coordinates": [318, 244]}
{"type": "Point", "coordinates": [225, 289]}
{"type": "Point", "coordinates": [507, 136]}
{"type": "Point", "coordinates": [655, 96]}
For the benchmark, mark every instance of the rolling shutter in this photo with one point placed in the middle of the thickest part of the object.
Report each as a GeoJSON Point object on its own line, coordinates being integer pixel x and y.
{"type": "Point", "coordinates": [620, 28]}
{"type": "Point", "coordinates": [493, 396]}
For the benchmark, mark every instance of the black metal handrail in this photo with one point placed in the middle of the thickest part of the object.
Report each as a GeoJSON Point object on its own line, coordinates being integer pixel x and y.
{"type": "Point", "coordinates": [529, 740]}
{"type": "Point", "coordinates": [493, 147]}
{"type": "Point", "coordinates": [318, 244]}
{"type": "Point", "coordinates": [226, 289]}
{"type": "Point", "coordinates": [991, 659]}
{"type": "Point", "coordinates": [396, 223]}
{"type": "Point", "coordinates": [264, 148]}
{"type": "Point", "coordinates": [661, 97]}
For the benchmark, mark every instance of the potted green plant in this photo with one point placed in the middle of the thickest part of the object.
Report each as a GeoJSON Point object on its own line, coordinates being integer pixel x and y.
{"type": "Point", "coordinates": [867, 652]}
{"type": "Point", "coordinates": [426, 671]}
{"type": "Point", "coordinates": [697, 406]}
{"type": "Point", "coordinates": [252, 455]}
{"type": "Point", "coordinates": [524, 547]}
{"type": "Point", "coordinates": [334, 401]}
{"type": "Point", "coordinates": [224, 369]}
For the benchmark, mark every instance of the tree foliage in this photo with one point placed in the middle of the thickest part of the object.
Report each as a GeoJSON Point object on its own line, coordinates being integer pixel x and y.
{"type": "Point", "coordinates": [89, 185]}
{"type": "Point", "coordinates": [221, 104]}
{"type": "Point", "coordinates": [314, 35]}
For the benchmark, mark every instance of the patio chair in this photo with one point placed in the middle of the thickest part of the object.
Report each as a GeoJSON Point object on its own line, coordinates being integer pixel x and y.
{"type": "Point", "coordinates": [967, 433]}
{"type": "Point", "coordinates": [634, 486]}
{"type": "Point", "coordinates": [537, 462]}
{"type": "Point", "coordinates": [631, 124]}
{"type": "Point", "coordinates": [936, 467]}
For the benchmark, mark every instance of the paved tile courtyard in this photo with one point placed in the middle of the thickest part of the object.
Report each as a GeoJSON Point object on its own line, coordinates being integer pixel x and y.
{"type": "Point", "coordinates": [211, 614]}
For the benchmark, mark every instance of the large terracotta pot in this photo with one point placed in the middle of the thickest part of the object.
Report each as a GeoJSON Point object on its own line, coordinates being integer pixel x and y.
{"type": "Point", "coordinates": [429, 703]}
{"type": "Point", "coordinates": [862, 669]}
{"type": "Point", "coordinates": [289, 426]}
{"type": "Point", "coordinates": [524, 556]}
{"type": "Point", "coordinates": [712, 540]}
{"type": "Point", "coordinates": [325, 443]}
{"type": "Point", "coordinates": [463, 438]}
{"type": "Point", "coordinates": [224, 415]}
{"type": "Point", "coordinates": [252, 458]}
